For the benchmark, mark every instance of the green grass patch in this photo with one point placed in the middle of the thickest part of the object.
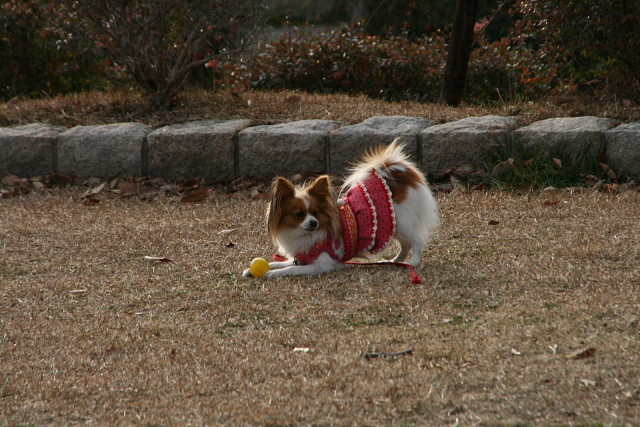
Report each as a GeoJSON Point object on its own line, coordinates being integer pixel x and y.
{"type": "Point", "coordinates": [515, 166]}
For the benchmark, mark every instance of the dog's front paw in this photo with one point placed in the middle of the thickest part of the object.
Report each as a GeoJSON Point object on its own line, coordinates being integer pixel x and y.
{"type": "Point", "coordinates": [271, 274]}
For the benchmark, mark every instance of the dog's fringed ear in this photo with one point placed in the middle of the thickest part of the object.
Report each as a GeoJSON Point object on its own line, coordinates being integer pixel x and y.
{"type": "Point", "coordinates": [321, 187]}
{"type": "Point", "coordinates": [281, 189]}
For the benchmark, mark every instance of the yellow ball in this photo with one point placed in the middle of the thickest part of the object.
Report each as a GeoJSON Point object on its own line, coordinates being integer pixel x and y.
{"type": "Point", "coordinates": [259, 267]}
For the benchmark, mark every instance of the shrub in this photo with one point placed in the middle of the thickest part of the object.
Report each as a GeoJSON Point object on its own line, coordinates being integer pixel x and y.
{"type": "Point", "coordinates": [550, 45]}
{"type": "Point", "coordinates": [500, 70]}
{"type": "Point", "coordinates": [581, 42]}
{"type": "Point", "coordinates": [41, 52]}
{"type": "Point", "coordinates": [348, 61]}
{"type": "Point", "coordinates": [394, 68]}
{"type": "Point", "coordinates": [159, 42]}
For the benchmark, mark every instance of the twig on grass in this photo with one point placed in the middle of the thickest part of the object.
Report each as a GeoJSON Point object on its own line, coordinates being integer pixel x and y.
{"type": "Point", "coordinates": [157, 258]}
{"type": "Point", "coordinates": [383, 354]}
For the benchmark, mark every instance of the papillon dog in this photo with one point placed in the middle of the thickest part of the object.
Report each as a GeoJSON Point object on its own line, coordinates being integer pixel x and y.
{"type": "Point", "coordinates": [385, 197]}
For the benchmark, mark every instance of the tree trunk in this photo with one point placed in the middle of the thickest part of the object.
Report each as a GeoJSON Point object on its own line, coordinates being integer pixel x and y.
{"type": "Point", "coordinates": [455, 70]}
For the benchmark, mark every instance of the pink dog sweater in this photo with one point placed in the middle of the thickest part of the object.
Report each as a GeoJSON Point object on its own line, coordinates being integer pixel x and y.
{"type": "Point", "coordinates": [368, 223]}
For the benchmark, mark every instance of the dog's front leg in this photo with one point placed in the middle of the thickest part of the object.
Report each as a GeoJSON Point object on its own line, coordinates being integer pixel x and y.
{"type": "Point", "coordinates": [323, 264]}
{"type": "Point", "coordinates": [276, 265]}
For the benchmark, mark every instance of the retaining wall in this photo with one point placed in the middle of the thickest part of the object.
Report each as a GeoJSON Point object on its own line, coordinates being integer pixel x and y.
{"type": "Point", "coordinates": [218, 150]}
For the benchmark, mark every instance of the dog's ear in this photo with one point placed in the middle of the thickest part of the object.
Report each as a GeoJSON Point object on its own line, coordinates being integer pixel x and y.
{"type": "Point", "coordinates": [321, 187]}
{"type": "Point", "coordinates": [282, 188]}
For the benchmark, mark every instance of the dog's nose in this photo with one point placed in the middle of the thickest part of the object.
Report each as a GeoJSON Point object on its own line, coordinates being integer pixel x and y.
{"type": "Point", "coordinates": [313, 223]}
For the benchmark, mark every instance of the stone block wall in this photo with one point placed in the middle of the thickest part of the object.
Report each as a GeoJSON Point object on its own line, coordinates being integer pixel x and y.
{"type": "Point", "coordinates": [219, 150]}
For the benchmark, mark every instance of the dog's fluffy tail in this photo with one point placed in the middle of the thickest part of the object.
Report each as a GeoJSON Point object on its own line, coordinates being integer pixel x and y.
{"type": "Point", "coordinates": [385, 160]}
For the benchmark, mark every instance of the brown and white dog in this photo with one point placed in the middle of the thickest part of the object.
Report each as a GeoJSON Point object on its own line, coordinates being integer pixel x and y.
{"type": "Point", "coordinates": [385, 197]}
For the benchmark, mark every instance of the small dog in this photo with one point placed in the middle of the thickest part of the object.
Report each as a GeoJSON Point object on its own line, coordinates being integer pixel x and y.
{"type": "Point", "coordinates": [386, 197]}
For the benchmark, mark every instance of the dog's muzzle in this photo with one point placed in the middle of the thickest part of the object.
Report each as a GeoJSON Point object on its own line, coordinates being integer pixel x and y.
{"type": "Point", "coordinates": [311, 224]}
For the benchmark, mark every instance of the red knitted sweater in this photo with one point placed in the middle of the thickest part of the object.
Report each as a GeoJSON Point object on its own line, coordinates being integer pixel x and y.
{"type": "Point", "coordinates": [368, 223]}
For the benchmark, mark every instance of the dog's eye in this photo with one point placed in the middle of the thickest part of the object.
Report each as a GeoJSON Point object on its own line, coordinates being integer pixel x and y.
{"type": "Point", "coordinates": [300, 215]}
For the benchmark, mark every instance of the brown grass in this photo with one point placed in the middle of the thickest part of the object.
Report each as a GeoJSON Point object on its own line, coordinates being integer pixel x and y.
{"type": "Point", "coordinates": [276, 107]}
{"type": "Point", "coordinates": [528, 315]}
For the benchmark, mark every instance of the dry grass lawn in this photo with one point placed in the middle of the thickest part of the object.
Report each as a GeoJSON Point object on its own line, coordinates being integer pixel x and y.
{"type": "Point", "coordinates": [528, 315]}
{"type": "Point", "coordinates": [265, 107]}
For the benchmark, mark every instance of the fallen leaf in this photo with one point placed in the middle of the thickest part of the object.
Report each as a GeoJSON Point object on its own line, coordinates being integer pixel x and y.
{"type": "Point", "coordinates": [157, 258]}
{"type": "Point", "coordinates": [611, 174]}
{"type": "Point", "coordinates": [230, 244]}
{"type": "Point", "coordinates": [551, 202]}
{"type": "Point", "coordinates": [443, 187]}
{"type": "Point", "coordinates": [611, 188]}
{"type": "Point", "coordinates": [169, 188]}
{"type": "Point", "coordinates": [593, 181]}
{"type": "Point", "coordinates": [192, 182]}
{"type": "Point", "coordinates": [525, 189]}
{"type": "Point", "coordinates": [60, 178]}
{"type": "Point", "coordinates": [582, 354]}
{"type": "Point", "coordinates": [92, 182]}
{"type": "Point", "coordinates": [157, 182]}
{"type": "Point", "coordinates": [236, 185]}
{"type": "Point", "coordinates": [502, 168]}
{"type": "Point", "coordinates": [5, 193]}
{"type": "Point", "coordinates": [257, 193]}
{"type": "Point", "coordinates": [196, 196]}
{"type": "Point", "coordinates": [114, 182]}
{"type": "Point", "coordinates": [19, 185]}
{"type": "Point", "coordinates": [93, 191]}
{"type": "Point", "coordinates": [90, 201]}
{"type": "Point", "coordinates": [458, 185]}
{"type": "Point", "coordinates": [129, 187]}
{"type": "Point", "coordinates": [10, 180]}
{"type": "Point", "coordinates": [515, 352]}
{"type": "Point", "coordinates": [557, 162]}
{"type": "Point", "coordinates": [464, 171]}
{"type": "Point", "coordinates": [587, 382]}
{"type": "Point", "coordinates": [225, 232]}
{"type": "Point", "coordinates": [494, 222]}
